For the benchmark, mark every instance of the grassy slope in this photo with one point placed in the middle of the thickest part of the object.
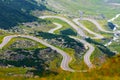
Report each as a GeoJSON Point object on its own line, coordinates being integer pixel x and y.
{"type": "Point", "coordinates": [115, 46]}
{"type": "Point", "coordinates": [88, 6]}
{"type": "Point", "coordinates": [5, 73]}
{"type": "Point", "coordinates": [44, 28]}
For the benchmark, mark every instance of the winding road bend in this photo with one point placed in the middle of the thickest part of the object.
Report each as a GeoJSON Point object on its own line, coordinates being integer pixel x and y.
{"type": "Point", "coordinates": [91, 48]}
{"type": "Point", "coordinates": [79, 31]}
{"type": "Point", "coordinates": [97, 36]}
{"type": "Point", "coordinates": [54, 29]}
{"type": "Point", "coordinates": [97, 24]}
{"type": "Point", "coordinates": [111, 20]}
{"type": "Point", "coordinates": [66, 58]}
{"type": "Point", "coordinates": [88, 53]}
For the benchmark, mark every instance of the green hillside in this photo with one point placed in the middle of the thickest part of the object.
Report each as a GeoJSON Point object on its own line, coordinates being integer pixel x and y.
{"type": "Point", "coordinates": [14, 12]}
{"type": "Point", "coordinates": [90, 7]}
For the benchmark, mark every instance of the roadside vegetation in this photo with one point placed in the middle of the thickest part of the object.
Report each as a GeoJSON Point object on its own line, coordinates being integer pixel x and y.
{"type": "Point", "coordinates": [101, 47]}
{"type": "Point", "coordinates": [105, 72]}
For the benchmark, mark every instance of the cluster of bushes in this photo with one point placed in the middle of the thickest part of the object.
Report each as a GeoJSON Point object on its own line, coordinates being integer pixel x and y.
{"type": "Point", "coordinates": [28, 58]}
{"type": "Point", "coordinates": [68, 32]}
{"type": "Point", "coordinates": [111, 25]}
{"type": "Point", "coordinates": [68, 41]}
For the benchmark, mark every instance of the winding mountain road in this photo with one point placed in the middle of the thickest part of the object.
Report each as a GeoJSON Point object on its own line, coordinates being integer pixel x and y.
{"type": "Point", "coordinates": [97, 36]}
{"type": "Point", "coordinates": [88, 53]}
{"type": "Point", "coordinates": [115, 32]}
{"type": "Point", "coordinates": [97, 25]}
{"type": "Point", "coordinates": [56, 28]}
{"type": "Point", "coordinates": [91, 48]}
{"type": "Point", "coordinates": [76, 20]}
{"type": "Point", "coordinates": [66, 58]}
{"type": "Point", "coordinates": [79, 31]}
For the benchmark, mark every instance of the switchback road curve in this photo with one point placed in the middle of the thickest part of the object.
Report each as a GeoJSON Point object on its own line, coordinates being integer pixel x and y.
{"type": "Point", "coordinates": [66, 58]}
